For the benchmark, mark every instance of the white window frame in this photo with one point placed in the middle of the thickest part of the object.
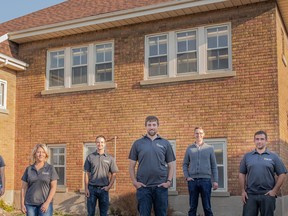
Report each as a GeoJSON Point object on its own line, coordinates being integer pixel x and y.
{"type": "Point", "coordinates": [50, 147]}
{"type": "Point", "coordinates": [4, 94]}
{"type": "Point", "coordinates": [173, 186]}
{"type": "Point", "coordinates": [71, 56]}
{"type": "Point", "coordinates": [223, 142]}
{"type": "Point", "coordinates": [201, 43]}
{"type": "Point", "coordinates": [91, 61]}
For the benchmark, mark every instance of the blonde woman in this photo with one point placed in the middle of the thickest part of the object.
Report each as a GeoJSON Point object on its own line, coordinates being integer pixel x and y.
{"type": "Point", "coordinates": [39, 183]}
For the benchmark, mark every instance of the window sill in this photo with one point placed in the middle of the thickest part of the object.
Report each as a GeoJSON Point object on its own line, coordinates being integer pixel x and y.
{"type": "Point", "coordinates": [211, 75]}
{"type": "Point", "coordinates": [4, 111]}
{"type": "Point", "coordinates": [80, 88]}
{"type": "Point", "coordinates": [61, 189]}
{"type": "Point", "coordinates": [172, 193]}
{"type": "Point", "coordinates": [220, 194]}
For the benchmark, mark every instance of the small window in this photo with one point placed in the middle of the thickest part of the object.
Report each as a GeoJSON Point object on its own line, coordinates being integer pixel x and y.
{"type": "Point", "coordinates": [158, 55]}
{"type": "Point", "coordinates": [217, 48]}
{"type": "Point", "coordinates": [56, 69]}
{"type": "Point", "coordinates": [186, 52]}
{"type": "Point", "coordinates": [220, 149]}
{"type": "Point", "coordinates": [88, 149]}
{"type": "Point", "coordinates": [79, 66]}
{"type": "Point", "coordinates": [173, 185]}
{"type": "Point", "coordinates": [3, 94]}
{"type": "Point", "coordinates": [104, 63]}
{"type": "Point", "coordinates": [58, 160]}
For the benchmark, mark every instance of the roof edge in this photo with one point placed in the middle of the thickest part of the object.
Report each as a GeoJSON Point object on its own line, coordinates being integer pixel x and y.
{"type": "Point", "coordinates": [110, 17]}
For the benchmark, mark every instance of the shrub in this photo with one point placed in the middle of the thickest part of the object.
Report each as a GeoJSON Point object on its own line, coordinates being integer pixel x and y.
{"type": "Point", "coordinates": [6, 207]}
{"type": "Point", "coordinates": [126, 205]}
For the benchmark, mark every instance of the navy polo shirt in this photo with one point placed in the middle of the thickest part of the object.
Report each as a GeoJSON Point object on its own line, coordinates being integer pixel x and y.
{"type": "Point", "coordinates": [99, 166]}
{"type": "Point", "coordinates": [260, 170]}
{"type": "Point", "coordinates": [38, 183]}
{"type": "Point", "coordinates": [152, 157]}
{"type": "Point", "coordinates": [2, 164]}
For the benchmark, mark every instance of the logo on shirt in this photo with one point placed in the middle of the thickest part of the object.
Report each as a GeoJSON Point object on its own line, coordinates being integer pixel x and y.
{"type": "Point", "coordinates": [106, 161]}
{"type": "Point", "coordinates": [268, 159]}
{"type": "Point", "coordinates": [159, 145]}
{"type": "Point", "coordinates": [45, 173]}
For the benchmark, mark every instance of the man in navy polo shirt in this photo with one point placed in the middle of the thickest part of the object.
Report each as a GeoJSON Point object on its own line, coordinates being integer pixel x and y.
{"type": "Point", "coordinates": [98, 166]}
{"type": "Point", "coordinates": [257, 178]}
{"type": "Point", "coordinates": [156, 166]}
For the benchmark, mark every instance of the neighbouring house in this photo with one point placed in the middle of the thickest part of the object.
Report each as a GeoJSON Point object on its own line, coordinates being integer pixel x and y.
{"type": "Point", "coordinates": [88, 67]}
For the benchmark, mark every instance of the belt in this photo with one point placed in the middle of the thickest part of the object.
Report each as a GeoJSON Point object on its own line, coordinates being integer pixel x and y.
{"type": "Point", "coordinates": [97, 186]}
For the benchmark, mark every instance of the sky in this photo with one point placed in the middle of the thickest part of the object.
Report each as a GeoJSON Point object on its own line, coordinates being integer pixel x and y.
{"type": "Point", "coordinates": [16, 8]}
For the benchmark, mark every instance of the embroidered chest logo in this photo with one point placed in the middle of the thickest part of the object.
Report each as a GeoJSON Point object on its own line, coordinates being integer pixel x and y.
{"type": "Point", "coordinates": [268, 159]}
{"type": "Point", "coordinates": [45, 173]}
{"type": "Point", "coordinates": [106, 161]}
{"type": "Point", "coordinates": [159, 145]}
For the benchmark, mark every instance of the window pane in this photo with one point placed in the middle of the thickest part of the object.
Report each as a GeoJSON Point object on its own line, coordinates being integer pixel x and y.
{"type": "Point", "coordinates": [79, 75]}
{"type": "Point", "coordinates": [223, 40]}
{"type": "Point", "coordinates": [56, 59]}
{"type": "Point", "coordinates": [61, 174]}
{"type": "Point", "coordinates": [103, 72]}
{"type": "Point", "coordinates": [218, 149]}
{"type": "Point", "coordinates": [158, 66]}
{"type": "Point", "coordinates": [186, 62]}
{"type": "Point", "coordinates": [221, 176]}
{"type": "Point", "coordinates": [212, 42]}
{"type": "Point", "coordinates": [56, 77]}
{"type": "Point", "coordinates": [218, 59]}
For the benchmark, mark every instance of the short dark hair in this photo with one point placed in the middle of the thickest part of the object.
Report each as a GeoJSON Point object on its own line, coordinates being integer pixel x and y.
{"type": "Point", "coordinates": [101, 136]}
{"type": "Point", "coordinates": [261, 132]}
{"type": "Point", "coordinates": [151, 119]}
{"type": "Point", "coordinates": [200, 128]}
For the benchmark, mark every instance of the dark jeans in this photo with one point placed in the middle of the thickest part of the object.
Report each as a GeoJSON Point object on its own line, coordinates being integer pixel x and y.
{"type": "Point", "coordinates": [201, 186]}
{"type": "Point", "coordinates": [158, 196]}
{"type": "Point", "coordinates": [34, 210]}
{"type": "Point", "coordinates": [96, 193]}
{"type": "Point", "coordinates": [264, 203]}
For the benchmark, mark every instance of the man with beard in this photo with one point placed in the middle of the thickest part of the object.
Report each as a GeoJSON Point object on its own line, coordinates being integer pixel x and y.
{"type": "Point", "coordinates": [156, 166]}
{"type": "Point", "coordinates": [257, 178]}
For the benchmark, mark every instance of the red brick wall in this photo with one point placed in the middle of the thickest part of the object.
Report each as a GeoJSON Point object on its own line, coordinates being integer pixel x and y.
{"type": "Point", "coordinates": [7, 126]}
{"type": "Point", "coordinates": [232, 108]}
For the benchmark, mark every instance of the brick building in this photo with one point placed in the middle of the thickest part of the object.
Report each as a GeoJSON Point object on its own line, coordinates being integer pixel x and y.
{"type": "Point", "coordinates": [89, 67]}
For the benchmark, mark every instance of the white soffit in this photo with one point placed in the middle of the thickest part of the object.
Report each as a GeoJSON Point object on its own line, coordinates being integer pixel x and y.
{"type": "Point", "coordinates": [124, 17]}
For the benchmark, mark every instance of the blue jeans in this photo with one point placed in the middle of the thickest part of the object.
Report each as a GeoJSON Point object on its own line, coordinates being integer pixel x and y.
{"type": "Point", "coordinates": [156, 196]}
{"type": "Point", "coordinates": [34, 210]}
{"type": "Point", "coordinates": [264, 203]}
{"type": "Point", "coordinates": [96, 193]}
{"type": "Point", "coordinates": [201, 186]}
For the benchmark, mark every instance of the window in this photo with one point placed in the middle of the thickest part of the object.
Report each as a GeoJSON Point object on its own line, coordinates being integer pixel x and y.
{"type": "Point", "coordinates": [79, 65]}
{"type": "Point", "coordinates": [158, 55]}
{"type": "Point", "coordinates": [88, 149]}
{"type": "Point", "coordinates": [58, 160]}
{"type": "Point", "coordinates": [103, 67]}
{"type": "Point", "coordinates": [217, 48]}
{"type": "Point", "coordinates": [173, 185]}
{"type": "Point", "coordinates": [73, 66]}
{"type": "Point", "coordinates": [198, 51]}
{"type": "Point", "coordinates": [56, 71]}
{"type": "Point", "coordinates": [186, 52]}
{"type": "Point", "coordinates": [3, 94]}
{"type": "Point", "coordinates": [220, 148]}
